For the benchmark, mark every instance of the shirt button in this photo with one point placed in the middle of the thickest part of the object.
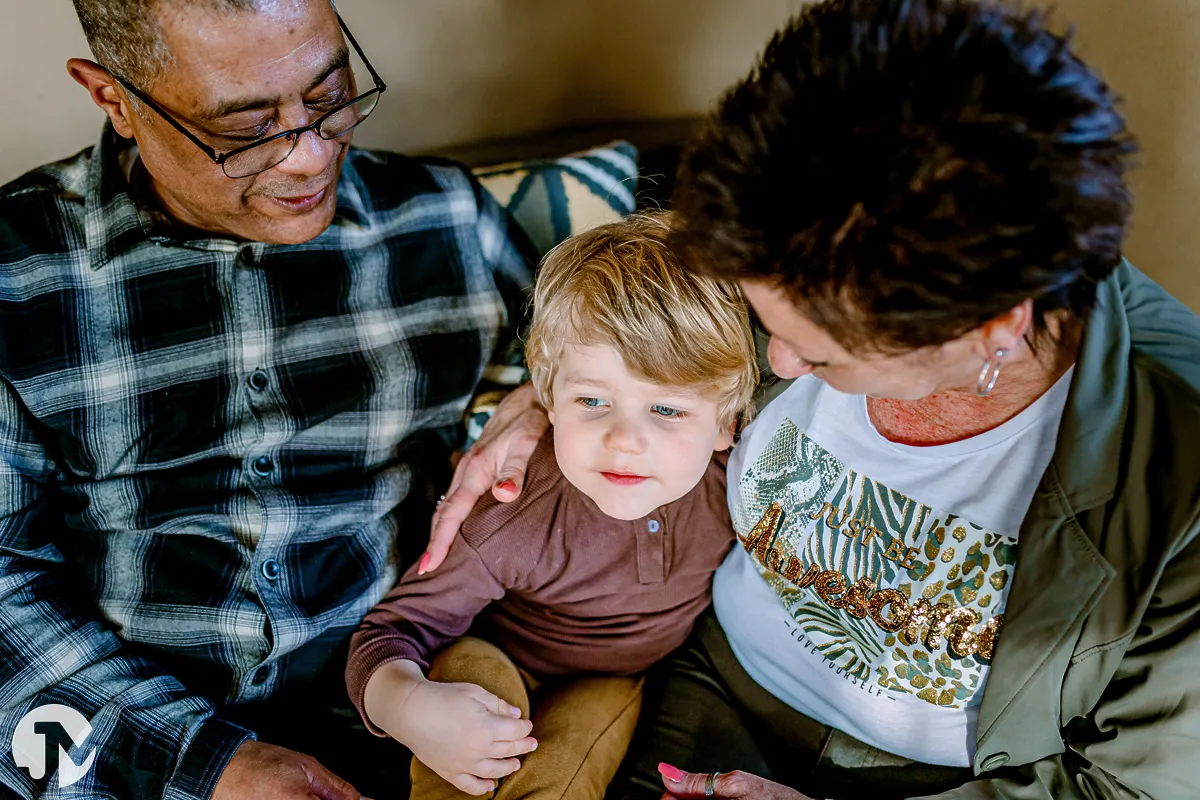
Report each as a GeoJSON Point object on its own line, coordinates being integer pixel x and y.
{"type": "Point", "coordinates": [271, 569]}
{"type": "Point", "coordinates": [246, 256]}
{"type": "Point", "coordinates": [994, 761]}
{"type": "Point", "coordinates": [258, 380]}
{"type": "Point", "coordinates": [262, 466]}
{"type": "Point", "coordinates": [261, 675]}
{"type": "Point", "coordinates": [653, 526]}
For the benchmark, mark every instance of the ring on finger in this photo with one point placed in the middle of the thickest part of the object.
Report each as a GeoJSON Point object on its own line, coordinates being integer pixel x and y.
{"type": "Point", "coordinates": [709, 790]}
{"type": "Point", "coordinates": [441, 500]}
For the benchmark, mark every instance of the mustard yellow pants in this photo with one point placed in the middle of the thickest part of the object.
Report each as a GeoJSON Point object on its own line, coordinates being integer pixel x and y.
{"type": "Point", "coordinates": [582, 726]}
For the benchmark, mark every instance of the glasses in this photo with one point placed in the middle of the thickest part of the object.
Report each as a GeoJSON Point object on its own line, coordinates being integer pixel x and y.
{"type": "Point", "coordinates": [266, 153]}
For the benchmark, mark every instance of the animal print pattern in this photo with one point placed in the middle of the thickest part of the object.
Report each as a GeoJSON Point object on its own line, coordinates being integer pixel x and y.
{"type": "Point", "coordinates": [830, 541]}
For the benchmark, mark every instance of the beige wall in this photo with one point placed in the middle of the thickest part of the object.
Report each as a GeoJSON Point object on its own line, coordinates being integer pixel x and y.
{"type": "Point", "coordinates": [1146, 49]}
{"type": "Point", "coordinates": [461, 71]}
{"type": "Point", "coordinates": [458, 71]}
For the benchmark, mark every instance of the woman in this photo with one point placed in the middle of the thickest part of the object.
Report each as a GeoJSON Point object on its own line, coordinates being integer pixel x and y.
{"type": "Point", "coordinates": [969, 560]}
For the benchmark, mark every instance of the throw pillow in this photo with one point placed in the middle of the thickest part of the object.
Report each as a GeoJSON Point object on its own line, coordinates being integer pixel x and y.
{"type": "Point", "coordinates": [554, 198]}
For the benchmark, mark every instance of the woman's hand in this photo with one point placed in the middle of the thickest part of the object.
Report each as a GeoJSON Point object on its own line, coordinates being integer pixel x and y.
{"type": "Point", "coordinates": [497, 462]}
{"type": "Point", "coordinates": [736, 785]}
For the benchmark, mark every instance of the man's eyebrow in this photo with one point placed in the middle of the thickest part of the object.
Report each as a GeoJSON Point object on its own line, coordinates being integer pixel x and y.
{"type": "Point", "coordinates": [340, 60]}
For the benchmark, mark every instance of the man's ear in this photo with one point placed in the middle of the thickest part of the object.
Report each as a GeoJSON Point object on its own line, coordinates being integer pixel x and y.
{"type": "Point", "coordinates": [104, 91]}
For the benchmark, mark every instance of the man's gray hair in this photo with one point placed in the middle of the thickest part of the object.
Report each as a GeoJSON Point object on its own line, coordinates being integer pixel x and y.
{"type": "Point", "coordinates": [127, 39]}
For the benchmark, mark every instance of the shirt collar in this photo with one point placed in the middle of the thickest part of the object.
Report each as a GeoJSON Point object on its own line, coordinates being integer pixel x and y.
{"type": "Point", "coordinates": [113, 221]}
{"type": "Point", "coordinates": [1092, 431]}
{"type": "Point", "coordinates": [118, 217]}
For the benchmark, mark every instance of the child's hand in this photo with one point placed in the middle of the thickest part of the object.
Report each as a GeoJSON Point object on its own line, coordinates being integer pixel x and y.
{"type": "Point", "coordinates": [462, 732]}
{"type": "Point", "coordinates": [465, 733]}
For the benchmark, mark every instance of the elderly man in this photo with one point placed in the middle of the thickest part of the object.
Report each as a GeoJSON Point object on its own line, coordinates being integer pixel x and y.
{"type": "Point", "coordinates": [233, 352]}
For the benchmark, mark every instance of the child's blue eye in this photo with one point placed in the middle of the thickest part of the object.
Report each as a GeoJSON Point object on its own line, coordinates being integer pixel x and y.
{"type": "Point", "coordinates": [667, 411]}
{"type": "Point", "coordinates": [591, 402]}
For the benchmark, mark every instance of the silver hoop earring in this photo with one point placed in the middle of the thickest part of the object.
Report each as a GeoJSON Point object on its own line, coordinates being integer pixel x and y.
{"type": "Point", "coordinates": [989, 375]}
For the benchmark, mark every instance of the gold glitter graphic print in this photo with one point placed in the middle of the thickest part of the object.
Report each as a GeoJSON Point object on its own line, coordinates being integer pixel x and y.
{"type": "Point", "coordinates": [891, 591]}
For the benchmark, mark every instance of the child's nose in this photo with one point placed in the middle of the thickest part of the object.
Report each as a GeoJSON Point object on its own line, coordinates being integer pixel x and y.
{"type": "Point", "coordinates": [624, 437]}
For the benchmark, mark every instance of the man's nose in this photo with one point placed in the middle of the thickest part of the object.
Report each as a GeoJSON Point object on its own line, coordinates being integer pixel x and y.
{"type": "Point", "coordinates": [784, 361]}
{"type": "Point", "coordinates": [625, 436]}
{"type": "Point", "coordinates": [310, 157]}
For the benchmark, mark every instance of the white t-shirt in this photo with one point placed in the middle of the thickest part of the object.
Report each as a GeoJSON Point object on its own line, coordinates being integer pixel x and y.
{"type": "Point", "coordinates": [872, 578]}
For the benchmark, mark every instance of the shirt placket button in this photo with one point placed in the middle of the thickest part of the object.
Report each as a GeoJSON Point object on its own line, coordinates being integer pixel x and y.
{"type": "Point", "coordinates": [262, 466]}
{"type": "Point", "coordinates": [271, 569]}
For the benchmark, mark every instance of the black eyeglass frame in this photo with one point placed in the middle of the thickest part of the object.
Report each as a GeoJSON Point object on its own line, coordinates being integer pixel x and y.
{"type": "Point", "coordinates": [220, 158]}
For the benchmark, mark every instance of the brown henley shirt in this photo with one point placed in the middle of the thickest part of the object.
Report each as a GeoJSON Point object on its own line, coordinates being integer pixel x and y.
{"type": "Point", "coordinates": [562, 587]}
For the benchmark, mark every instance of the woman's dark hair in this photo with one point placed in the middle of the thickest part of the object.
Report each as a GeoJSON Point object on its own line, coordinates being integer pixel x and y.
{"type": "Point", "coordinates": [906, 170]}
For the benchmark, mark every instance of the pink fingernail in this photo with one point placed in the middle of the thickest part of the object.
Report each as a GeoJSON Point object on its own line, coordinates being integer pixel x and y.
{"type": "Point", "coordinates": [507, 486]}
{"type": "Point", "coordinates": [514, 711]}
{"type": "Point", "coordinates": [670, 773]}
{"type": "Point", "coordinates": [424, 565]}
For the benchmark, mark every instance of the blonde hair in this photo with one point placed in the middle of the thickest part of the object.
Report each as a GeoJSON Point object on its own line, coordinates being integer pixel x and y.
{"type": "Point", "coordinates": [619, 285]}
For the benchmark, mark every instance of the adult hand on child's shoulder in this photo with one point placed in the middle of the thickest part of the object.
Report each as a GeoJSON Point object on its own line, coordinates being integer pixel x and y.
{"type": "Point", "coordinates": [736, 785]}
{"type": "Point", "coordinates": [461, 731]}
{"type": "Point", "coordinates": [496, 462]}
{"type": "Point", "coordinates": [269, 772]}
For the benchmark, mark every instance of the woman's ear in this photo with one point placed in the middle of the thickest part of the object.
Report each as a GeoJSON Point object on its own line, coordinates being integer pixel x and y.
{"type": "Point", "coordinates": [1006, 331]}
{"type": "Point", "coordinates": [102, 88]}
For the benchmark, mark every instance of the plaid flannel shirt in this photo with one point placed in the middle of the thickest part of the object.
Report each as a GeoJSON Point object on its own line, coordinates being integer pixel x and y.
{"type": "Point", "coordinates": [207, 446]}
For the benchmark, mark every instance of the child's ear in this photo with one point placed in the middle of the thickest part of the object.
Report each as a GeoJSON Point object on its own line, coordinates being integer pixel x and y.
{"type": "Point", "coordinates": [724, 438]}
{"type": "Point", "coordinates": [550, 414]}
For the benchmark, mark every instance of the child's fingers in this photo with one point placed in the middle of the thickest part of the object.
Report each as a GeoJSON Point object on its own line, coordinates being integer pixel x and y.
{"type": "Point", "coordinates": [472, 785]}
{"type": "Point", "coordinates": [495, 767]}
{"type": "Point", "coordinates": [509, 730]}
{"type": "Point", "coordinates": [508, 749]}
{"type": "Point", "coordinates": [494, 704]}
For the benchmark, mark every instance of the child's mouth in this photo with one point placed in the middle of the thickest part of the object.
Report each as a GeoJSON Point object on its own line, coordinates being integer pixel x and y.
{"type": "Point", "coordinates": [623, 478]}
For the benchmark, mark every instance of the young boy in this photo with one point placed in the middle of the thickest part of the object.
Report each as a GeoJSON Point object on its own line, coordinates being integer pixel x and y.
{"type": "Point", "coordinates": [602, 564]}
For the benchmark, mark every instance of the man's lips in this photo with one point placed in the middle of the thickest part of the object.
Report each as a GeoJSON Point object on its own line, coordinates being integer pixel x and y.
{"type": "Point", "coordinates": [623, 478]}
{"type": "Point", "coordinates": [301, 203]}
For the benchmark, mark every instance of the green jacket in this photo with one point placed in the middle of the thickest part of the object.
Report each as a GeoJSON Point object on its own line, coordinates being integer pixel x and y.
{"type": "Point", "coordinates": [1094, 690]}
